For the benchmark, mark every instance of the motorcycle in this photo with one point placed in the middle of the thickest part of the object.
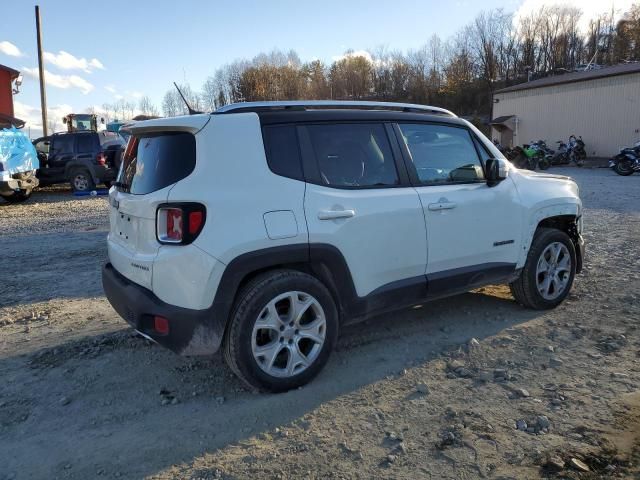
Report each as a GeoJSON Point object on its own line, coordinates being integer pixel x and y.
{"type": "Point", "coordinates": [529, 156]}
{"type": "Point", "coordinates": [561, 155]}
{"type": "Point", "coordinates": [578, 152]}
{"type": "Point", "coordinates": [627, 161]}
{"type": "Point", "coordinates": [543, 154]}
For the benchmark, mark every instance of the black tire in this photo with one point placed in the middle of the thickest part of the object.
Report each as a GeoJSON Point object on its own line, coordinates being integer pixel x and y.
{"type": "Point", "coordinates": [19, 196]}
{"type": "Point", "coordinates": [524, 289]}
{"type": "Point", "coordinates": [544, 163]}
{"type": "Point", "coordinates": [249, 304]}
{"type": "Point", "coordinates": [623, 167]}
{"type": "Point", "coordinates": [81, 180]}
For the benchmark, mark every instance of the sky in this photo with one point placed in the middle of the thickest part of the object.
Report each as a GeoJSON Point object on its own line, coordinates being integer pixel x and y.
{"type": "Point", "coordinates": [100, 52]}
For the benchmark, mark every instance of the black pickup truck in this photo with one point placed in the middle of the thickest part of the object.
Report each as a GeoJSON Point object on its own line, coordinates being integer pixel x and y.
{"type": "Point", "coordinates": [82, 158]}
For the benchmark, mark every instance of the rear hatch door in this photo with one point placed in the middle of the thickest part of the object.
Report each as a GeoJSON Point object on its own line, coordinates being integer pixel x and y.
{"type": "Point", "coordinates": [159, 153]}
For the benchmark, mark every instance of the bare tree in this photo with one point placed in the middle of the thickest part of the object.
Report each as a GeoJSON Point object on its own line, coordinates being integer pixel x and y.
{"type": "Point", "coordinates": [146, 107]}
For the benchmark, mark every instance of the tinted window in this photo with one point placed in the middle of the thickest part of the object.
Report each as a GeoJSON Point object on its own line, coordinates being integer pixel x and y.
{"type": "Point", "coordinates": [152, 162]}
{"type": "Point", "coordinates": [442, 154]}
{"type": "Point", "coordinates": [353, 155]}
{"type": "Point", "coordinates": [85, 143]}
{"type": "Point", "coordinates": [283, 154]}
{"type": "Point", "coordinates": [62, 144]}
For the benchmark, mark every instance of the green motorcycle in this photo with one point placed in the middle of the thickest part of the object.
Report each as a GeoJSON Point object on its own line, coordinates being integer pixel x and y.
{"type": "Point", "coordinates": [529, 157]}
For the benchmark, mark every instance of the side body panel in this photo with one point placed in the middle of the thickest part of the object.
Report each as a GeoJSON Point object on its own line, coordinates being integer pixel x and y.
{"type": "Point", "coordinates": [233, 181]}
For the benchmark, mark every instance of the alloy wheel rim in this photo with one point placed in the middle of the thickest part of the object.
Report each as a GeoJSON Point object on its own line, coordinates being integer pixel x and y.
{"type": "Point", "coordinates": [288, 334]}
{"type": "Point", "coordinates": [80, 182]}
{"type": "Point", "coordinates": [553, 270]}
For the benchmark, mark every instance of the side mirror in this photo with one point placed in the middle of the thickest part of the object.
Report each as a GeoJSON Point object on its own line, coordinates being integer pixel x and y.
{"type": "Point", "coordinates": [496, 171]}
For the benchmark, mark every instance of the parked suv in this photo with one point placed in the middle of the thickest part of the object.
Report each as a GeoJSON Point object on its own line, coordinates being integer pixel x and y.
{"type": "Point", "coordinates": [82, 158]}
{"type": "Point", "coordinates": [265, 227]}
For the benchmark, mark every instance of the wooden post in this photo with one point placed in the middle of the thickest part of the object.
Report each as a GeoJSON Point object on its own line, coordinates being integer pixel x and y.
{"type": "Point", "coordinates": [43, 93]}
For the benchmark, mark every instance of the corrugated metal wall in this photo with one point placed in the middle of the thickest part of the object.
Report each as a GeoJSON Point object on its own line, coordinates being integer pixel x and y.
{"type": "Point", "coordinates": [605, 111]}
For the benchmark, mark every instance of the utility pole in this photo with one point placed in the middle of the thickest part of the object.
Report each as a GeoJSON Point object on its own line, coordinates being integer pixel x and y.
{"type": "Point", "coordinates": [43, 93]}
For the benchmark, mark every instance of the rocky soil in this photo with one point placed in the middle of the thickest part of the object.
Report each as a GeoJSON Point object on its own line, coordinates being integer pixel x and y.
{"type": "Point", "coordinates": [468, 387]}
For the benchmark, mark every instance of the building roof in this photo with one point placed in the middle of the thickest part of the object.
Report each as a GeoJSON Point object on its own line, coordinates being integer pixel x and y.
{"type": "Point", "coordinates": [501, 119]}
{"type": "Point", "coordinates": [12, 72]}
{"type": "Point", "coordinates": [622, 69]}
{"type": "Point", "coordinates": [7, 121]}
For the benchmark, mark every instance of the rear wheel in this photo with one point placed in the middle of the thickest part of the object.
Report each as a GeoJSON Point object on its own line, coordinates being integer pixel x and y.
{"type": "Point", "coordinates": [623, 167]}
{"type": "Point", "coordinates": [81, 180]}
{"type": "Point", "coordinates": [282, 330]}
{"type": "Point", "coordinates": [548, 273]}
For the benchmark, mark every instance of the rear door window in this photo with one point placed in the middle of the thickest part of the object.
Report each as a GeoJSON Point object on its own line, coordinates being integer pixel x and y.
{"type": "Point", "coordinates": [62, 144]}
{"type": "Point", "coordinates": [155, 161]}
{"type": "Point", "coordinates": [353, 155]}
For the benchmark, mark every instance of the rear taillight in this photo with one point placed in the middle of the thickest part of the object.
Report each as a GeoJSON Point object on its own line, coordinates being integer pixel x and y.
{"type": "Point", "coordinates": [101, 159]}
{"type": "Point", "coordinates": [179, 223]}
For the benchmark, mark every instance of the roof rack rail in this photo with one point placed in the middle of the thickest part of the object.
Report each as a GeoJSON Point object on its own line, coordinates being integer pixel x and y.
{"type": "Point", "coordinates": [330, 104]}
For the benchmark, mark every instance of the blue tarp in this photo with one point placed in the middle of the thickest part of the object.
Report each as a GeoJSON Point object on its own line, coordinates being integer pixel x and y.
{"type": "Point", "coordinates": [17, 153]}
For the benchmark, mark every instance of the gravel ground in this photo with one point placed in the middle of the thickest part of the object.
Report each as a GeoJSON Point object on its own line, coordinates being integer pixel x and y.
{"type": "Point", "coordinates": [471, 387]}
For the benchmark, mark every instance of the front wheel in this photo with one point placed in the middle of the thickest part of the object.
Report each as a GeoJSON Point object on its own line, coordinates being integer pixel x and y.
{"type": "Point", "coordinates": [544, 163]}
{"type": "Point", "coordinates": [281, 332]}
{"type": "Point", "coordinates": [548, 273]}
{"type": "Point", "coordinates": [623, 167]}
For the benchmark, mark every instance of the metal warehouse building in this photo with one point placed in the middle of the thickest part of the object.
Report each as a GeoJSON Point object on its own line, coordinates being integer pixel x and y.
{"type": "Point", "coordinates": [601, 105]}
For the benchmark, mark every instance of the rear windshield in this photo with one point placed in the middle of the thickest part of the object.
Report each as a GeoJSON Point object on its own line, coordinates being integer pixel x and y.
{"type": "Point", "coordinates": [155, 161]}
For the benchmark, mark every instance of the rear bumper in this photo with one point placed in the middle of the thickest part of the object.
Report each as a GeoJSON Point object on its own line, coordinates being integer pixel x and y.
{"type": "Point", "coordinates": [191, 332]}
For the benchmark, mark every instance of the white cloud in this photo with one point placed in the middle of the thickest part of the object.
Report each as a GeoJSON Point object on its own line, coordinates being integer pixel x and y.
{"type": "Point", "coordinates": [95, 63]}
{"type": "Point", "coordinates": [10, 49]}
{"type": "Point", "coordinates": [110, 89]}
{"type": "Point", "coordinates": [117, 96]}
{"type": "Point", "coordinates": [66, 61]}
{"type": "Point", "coordinates": [31, 115]}
{"type": "Point", "coordinates": [61, 81]}
{"type": "Point", "coordinates": [355, 53]}
{"type": "Point", "coordinates": [590, 8]}
{"type": "Point", "coordinates": [134, 94]}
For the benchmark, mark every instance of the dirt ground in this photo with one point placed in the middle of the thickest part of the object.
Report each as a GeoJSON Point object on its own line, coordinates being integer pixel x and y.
{"type": "Point", "coordinates": [468, 387]}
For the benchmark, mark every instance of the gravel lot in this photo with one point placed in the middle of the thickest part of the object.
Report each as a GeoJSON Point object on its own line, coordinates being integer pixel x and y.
{"type": "Point", "coordinates": [434, 392]}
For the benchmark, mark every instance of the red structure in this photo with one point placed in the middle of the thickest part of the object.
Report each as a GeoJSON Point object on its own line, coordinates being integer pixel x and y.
{"type": "Point", "coordinates": [7, 76]}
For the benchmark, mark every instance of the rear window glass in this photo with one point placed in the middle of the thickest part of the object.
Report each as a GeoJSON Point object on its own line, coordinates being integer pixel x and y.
{"type": "Point", "coordinates": [155, 161]}
{"type": "Point", "coordinates": [283, 154]}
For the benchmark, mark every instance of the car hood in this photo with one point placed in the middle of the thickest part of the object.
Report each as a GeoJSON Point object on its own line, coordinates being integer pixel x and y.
{"type": "Point", "coordinates": [529, 173]}
{"type": "Point", "coordinates": [545, 186]}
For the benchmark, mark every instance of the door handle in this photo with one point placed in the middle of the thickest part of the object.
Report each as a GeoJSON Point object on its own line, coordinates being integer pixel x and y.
{"type": "Point", "coordinates": [334, 214]}
{"type": "Point", "coordinates": [442, 206]}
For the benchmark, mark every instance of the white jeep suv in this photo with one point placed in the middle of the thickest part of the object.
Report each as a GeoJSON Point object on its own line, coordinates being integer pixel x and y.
{"type": "Point", "coordinates": [265, 227]}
